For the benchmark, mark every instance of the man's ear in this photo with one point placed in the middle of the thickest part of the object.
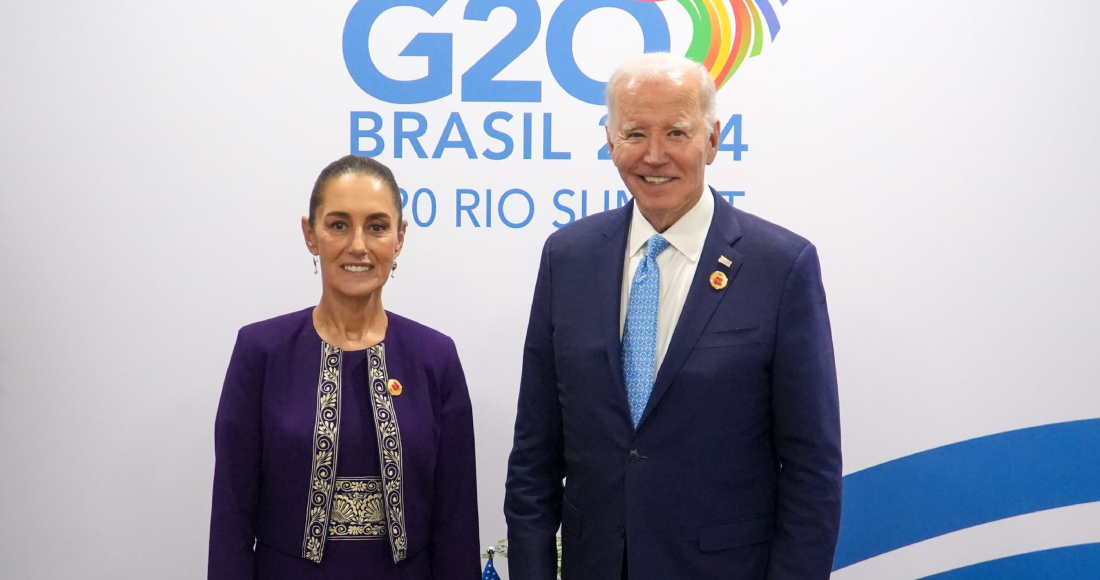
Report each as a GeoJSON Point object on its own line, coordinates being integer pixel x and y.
{"type": "Point", "coordinates": [715, 136]}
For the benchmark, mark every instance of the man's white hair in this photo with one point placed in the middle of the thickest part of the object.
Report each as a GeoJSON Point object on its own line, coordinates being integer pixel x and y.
{"type": "Point", "coordinates": [662, 65]}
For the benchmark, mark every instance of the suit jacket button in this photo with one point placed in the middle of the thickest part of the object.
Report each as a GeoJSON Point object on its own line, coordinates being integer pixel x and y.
{"type": "Point", "coordinates": [634, 456]}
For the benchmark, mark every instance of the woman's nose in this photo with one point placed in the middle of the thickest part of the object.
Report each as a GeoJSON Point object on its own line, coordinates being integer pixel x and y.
{"type": "Point", "coordinates": [358, 243]}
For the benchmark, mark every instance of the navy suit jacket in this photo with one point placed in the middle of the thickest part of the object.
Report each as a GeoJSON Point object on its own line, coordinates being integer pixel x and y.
{"type": "Point", "coordinates": [735, 468]}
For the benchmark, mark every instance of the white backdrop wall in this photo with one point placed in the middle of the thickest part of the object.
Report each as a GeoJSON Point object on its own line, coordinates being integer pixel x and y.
{"type": "Point", "coordinates": [156, 158]}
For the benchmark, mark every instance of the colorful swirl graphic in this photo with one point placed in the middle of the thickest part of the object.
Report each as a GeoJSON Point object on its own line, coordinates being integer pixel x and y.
{"type": "Point", "coordinates": [722, 42]}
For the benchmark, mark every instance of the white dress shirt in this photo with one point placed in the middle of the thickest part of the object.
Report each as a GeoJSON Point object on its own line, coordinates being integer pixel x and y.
{"type": "Point", "coordinates": [677, 264]}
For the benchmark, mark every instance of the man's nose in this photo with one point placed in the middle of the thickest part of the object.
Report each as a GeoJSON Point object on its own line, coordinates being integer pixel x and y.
{"type": "Point", "coordinates": [655, 152]}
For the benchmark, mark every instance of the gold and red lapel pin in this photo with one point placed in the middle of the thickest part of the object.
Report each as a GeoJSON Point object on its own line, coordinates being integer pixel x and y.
{"type": "Point", "coordinates": [394, 387]}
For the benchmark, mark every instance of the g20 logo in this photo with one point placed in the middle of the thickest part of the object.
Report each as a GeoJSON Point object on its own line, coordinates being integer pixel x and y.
{"type": "Point", "coordinates": [724, 34]}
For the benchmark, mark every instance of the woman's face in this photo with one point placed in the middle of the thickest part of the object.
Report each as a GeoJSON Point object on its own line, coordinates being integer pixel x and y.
{"type": "Point", "coordinates": [356, 234]}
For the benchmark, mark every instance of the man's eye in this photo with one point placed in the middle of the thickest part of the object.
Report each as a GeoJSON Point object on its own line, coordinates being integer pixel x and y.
{"type": "Point", "coordinates": [678, 133]}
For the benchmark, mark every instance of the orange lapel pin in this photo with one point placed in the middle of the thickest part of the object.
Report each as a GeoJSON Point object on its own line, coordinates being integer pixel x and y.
{"type": "Point", "coordinates": [719, 281]}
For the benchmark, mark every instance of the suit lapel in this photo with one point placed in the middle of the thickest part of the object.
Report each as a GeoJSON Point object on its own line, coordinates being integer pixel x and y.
{"type": "Point", "coordinates": [702, 299]}
{"type": "Point", "coordinates": [609, 268]}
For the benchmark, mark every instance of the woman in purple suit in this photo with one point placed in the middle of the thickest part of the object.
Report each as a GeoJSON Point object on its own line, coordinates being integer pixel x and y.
{"type": "Point", "coordinates": [344, 436]}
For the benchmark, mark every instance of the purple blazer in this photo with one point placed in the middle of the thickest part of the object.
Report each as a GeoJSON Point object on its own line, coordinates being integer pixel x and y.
{"type": "Point", "coordinates": [334, 464]}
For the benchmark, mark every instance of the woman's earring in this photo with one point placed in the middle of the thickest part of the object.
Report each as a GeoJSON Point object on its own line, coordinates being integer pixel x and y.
{"type": "Point", "coordinates": [314, 264]}
{"type": "Point", "coordinates": [393, 270]}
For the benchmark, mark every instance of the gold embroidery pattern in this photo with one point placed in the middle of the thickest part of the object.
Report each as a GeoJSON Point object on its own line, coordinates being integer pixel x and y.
{"type": "Point", "coordinates": [358, 511]}
{"type": "Point", "coordinates": [389, 450]}
{"type": "Point", "coordinates": [326, 441]}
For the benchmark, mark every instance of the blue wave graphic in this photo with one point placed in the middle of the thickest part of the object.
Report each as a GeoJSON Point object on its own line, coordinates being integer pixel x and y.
{"type": "Point", "coordinates": [1072, 563]}
{"type": "Point", "coordinates": [966, 484]}
{"type": "Point", "coordinates": [769, 16]}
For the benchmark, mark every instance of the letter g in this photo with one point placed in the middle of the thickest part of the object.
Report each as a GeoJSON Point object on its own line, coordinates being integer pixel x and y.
{"type": "Point", "coordinates": [438, 47]}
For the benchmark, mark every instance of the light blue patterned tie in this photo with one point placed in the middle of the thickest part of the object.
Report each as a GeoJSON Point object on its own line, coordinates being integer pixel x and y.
{"type": "Point", "coordinates": [640, 334]}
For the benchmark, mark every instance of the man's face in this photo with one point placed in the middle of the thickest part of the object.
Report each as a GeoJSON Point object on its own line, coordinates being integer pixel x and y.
{"type": "Point", "coordinates": [661, 145]}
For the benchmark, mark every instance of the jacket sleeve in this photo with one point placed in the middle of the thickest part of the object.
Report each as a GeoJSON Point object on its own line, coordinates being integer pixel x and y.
{"type": "Point", "coordinates": [806, 419]}
{"type": "Point", "coordinates": [536, 466]}
{"type": "Point", "coordinates": [454, 542]}
{"type": "Point", "coordinates": [237, 449]}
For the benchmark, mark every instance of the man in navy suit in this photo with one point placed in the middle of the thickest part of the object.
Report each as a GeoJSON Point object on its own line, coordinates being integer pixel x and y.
{"type": "Point", "coordinates": [678, 412]}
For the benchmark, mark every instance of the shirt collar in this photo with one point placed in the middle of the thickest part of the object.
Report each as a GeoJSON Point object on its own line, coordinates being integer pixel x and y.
{"type": "Point", "coordinates": [687, 235]}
